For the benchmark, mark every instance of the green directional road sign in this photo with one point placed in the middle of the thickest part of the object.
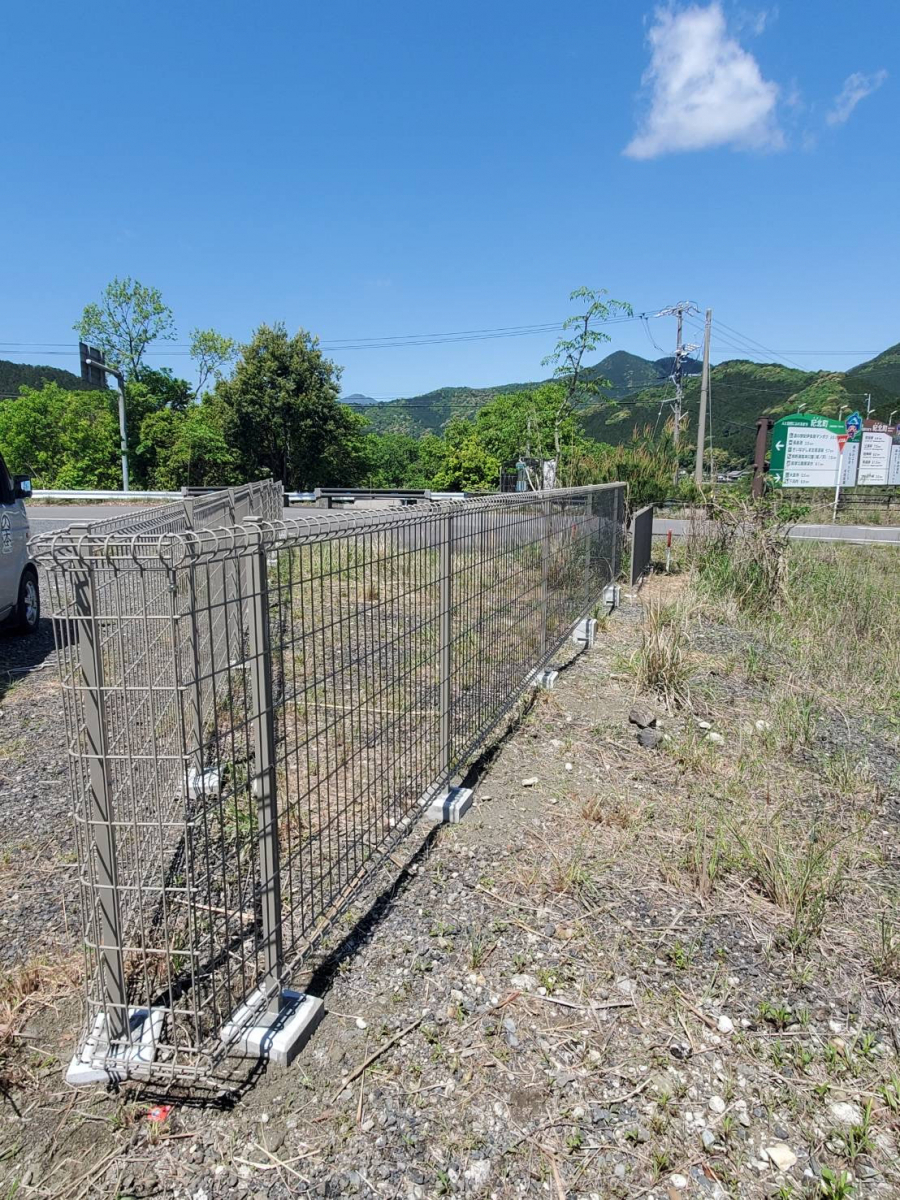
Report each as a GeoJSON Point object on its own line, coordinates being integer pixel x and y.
{"type": "Point", "coordinates": [805, 451]}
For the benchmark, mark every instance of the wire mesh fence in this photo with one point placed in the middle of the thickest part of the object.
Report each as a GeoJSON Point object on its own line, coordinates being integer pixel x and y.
{"type": "Point", "coordinates": [258, 709]}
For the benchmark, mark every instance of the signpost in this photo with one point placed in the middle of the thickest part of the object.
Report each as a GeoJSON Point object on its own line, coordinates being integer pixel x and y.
{"type": "Point", "coordinates": [810, 451]}
{"type": "Point", "coordinates": [842, 439]}
{"type": "Point", "coordinates": [875, 454]}
{"type": "Point", "coordinates": [805, 451]}
{"type": "Point", "coordinates": [894, 469]}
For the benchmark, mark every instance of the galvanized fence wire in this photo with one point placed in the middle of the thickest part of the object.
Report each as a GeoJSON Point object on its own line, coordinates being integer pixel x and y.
{"type": "Point", "coordinates": [257, 713]}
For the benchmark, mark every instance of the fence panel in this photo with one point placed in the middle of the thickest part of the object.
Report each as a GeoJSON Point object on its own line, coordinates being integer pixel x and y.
{"type": "Point", "coordinates": [641, 544]}
{"type": "Point", "coordinates": [257, 712]}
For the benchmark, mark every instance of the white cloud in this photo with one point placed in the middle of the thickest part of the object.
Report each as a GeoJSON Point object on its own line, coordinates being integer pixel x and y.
{"type": "Point", "coordinates": [856, 87]}
{"type": "Point", "coordinates": [705, 89]}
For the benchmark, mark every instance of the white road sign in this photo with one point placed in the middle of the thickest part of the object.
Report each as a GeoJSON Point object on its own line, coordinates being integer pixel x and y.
{"type": "Point", "coordinates": [810, 457]}
{"type": "Point", "coordinates": [894, 469]}
{"type": "Point", "coordinates": [851, 464]}
{"type": "Point", "coordinates": [874, 457]}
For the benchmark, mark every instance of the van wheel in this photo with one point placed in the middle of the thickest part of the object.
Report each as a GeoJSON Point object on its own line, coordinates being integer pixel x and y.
{"type": "Point", "coordinates": [28, 609]}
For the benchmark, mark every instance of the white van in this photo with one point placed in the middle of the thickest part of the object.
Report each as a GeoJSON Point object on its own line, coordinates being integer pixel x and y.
{"type": "Point", "coordinates": [20, 601]}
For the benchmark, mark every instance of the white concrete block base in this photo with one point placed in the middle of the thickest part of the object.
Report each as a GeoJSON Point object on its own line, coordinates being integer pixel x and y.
{"type": "Point", "coordinates": [544, 679]}
{"type": "Point", "coordinates": [274, 1037]}
{"type": "Point", "coordinates": [146, 1029]}
{"type": "Point", "coordinates": [612, 595]}
{"type": "Point", "coordinates": [585, 632]}
{"type": "Point", "coordinates": [450, 806]}
{"type": "Point", "coordinates": [202, 783]}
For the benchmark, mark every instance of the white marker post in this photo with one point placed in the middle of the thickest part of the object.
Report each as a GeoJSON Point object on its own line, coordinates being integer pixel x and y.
{"type": "Point", "coordinates": [842, 442]}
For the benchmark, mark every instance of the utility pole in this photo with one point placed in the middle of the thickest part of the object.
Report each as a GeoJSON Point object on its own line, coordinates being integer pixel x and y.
{"type": "Point", "coordinates": [704, 396]}
{"type": "Point", "coordinates": [681, 351]}
{"type": "Point", "coordinates": [868, 404]}
{"type": "Point", "coordinates": [679, 390]}
{"type": "Point", "coordinates": [94, 371]}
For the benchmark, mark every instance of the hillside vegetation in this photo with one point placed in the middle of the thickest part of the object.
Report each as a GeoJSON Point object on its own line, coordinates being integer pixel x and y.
{"type": "Point", "coordinates": [626, 374]}
{"type": "Point", "coordinates": [641, 391]}
{"type": "Point", "coordinates": [15, 375]}
{"type": "Point", "coordinates": [881, 372]}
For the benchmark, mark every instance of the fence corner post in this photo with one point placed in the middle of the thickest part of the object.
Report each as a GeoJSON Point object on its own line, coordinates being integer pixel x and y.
{"type": "Point", "coordinates": [102, 871]}
{"type": "Point", "coordinates": [263, 778]}
{"type": "Point", "coordinates": [446, 639]}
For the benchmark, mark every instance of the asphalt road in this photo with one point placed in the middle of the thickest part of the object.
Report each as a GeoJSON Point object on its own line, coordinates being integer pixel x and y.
{"type": "Point", "coordinates": [869, 535]}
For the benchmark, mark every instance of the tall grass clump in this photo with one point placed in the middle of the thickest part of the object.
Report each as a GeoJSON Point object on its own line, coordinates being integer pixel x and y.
{"type": "Point", "coordinates": [661, 664]}
{"type": "Point", "coordinates": [739, 549]}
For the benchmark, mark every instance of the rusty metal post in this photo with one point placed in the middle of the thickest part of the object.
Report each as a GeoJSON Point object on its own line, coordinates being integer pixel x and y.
{"type": "Point", "coordinates": [763, 425]}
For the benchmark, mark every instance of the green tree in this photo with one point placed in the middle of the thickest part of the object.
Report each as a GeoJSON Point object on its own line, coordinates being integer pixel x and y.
{"type": "Point", "coordinates": [283, 418]}
{"type": "Point", "coordinates": [62, 439]}
{"type": "Point", "coordinates": [211, 352]}
{"type": "Point", "coordinates": [466, 464]}
{"type": "Point", "coordinates": [581, 337]}
{"type": "Point", "coordinates": [153, 392]}
{"type": "Point", "coordinates": [129, 318]}
{"type": "Point", "coordinates": [537, 424]}
{"type": "Point", "coordinates": [395, 461]}
{"type": "Point", "coordinates": [187, 448]}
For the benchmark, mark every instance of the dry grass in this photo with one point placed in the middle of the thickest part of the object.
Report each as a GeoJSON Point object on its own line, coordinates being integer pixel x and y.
{"type": "Point", "coordinates": [24, 991]}
{"type": "Point", "coordinates": [661, 664]}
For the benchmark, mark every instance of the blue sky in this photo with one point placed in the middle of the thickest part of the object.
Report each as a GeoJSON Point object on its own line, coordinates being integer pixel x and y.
{"type": "Point", "coordinates": [369, 170]}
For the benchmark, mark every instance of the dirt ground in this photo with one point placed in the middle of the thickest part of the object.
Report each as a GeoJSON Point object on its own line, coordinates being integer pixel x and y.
{"type": "Point", "coordinates": [597, 985]}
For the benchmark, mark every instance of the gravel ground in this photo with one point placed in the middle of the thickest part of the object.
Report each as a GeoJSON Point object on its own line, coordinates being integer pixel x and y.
{"type": "Point", "coordinates": [548, 1001]}
{"type": "Point", "coordinates": [37, 871]}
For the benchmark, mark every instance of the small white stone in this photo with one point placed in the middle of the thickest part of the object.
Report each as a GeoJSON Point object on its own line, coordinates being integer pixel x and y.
{"type": "Point", "coordinates": [679, 1182]}
{"type": "Point", "coordinates": [781, 1155]}
{"type": "Point", "coordinates": [704, 725]}
{"type": "Point", "coordinates": [846, 1113]}
{"type": "Point", "coordinates": [523, 983]}
{"type": "Point", "coordinates": [530, 781]}
{"type": "Point", "coordinates": [763, 726]}
{"type": "Point", "coordinates": [725, 1024]}
{"type": "Point", "coordinates": [715, 738]}
{"type": "Point", "coordinates": [716, 1104]}
{"type": "Point", "coordinates": [568, 766]}
{"type": "Point", "coordinates": [361, 1024]}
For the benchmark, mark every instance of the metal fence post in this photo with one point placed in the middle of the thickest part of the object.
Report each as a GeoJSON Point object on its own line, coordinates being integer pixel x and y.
{"type": "Point", "coordinates": [588, 549]}
{"type": "Point", "coordinates": [195, 696]}
{"type": "Point", "coordinates": [105, 875]}
{"type": "Point", "coordinates": [263, 778]}
{"type": "Point", "coordinates": [545, 577]}
{"type": "Point", "coordinates": [446, 635]}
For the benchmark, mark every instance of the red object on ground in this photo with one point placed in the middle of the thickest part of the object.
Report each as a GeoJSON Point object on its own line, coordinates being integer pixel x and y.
{"type": "Point", "coordinates": [159, 1113]}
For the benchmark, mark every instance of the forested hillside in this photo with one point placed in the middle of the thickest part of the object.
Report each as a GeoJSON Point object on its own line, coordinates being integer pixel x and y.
{"type": "Point", "coordinates": [641, 392]}
{"type": "Point", "coordinates": [626, 373]}
{"type": "Point", "coordinates": [14, 375]}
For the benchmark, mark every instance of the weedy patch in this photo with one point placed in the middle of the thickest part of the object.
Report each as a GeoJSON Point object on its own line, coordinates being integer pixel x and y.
{"type": "Point", "coordinates": [799, 871]}
{"type": "Point", "coordinates": [661, 664]}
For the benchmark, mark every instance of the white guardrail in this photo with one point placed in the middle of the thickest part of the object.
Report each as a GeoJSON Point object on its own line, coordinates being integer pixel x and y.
{"type": "Point", "coordinates": [106, 497]}
{"type": "Point", "coordinates": [109, 497]}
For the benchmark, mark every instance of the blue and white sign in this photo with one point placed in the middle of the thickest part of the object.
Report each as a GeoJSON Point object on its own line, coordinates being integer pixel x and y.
{"type": "Point", "coordinates": [853, 423]}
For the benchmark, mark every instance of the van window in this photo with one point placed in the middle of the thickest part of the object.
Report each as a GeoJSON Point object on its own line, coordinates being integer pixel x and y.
{"type": "Point", "coordinates": [6, 488]}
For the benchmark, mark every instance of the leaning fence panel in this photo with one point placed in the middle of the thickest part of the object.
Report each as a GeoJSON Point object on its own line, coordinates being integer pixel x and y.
{"type": "Point", "coordinates": [641, 544]}
{"type": "Point", "coordinates": [258, 710]}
